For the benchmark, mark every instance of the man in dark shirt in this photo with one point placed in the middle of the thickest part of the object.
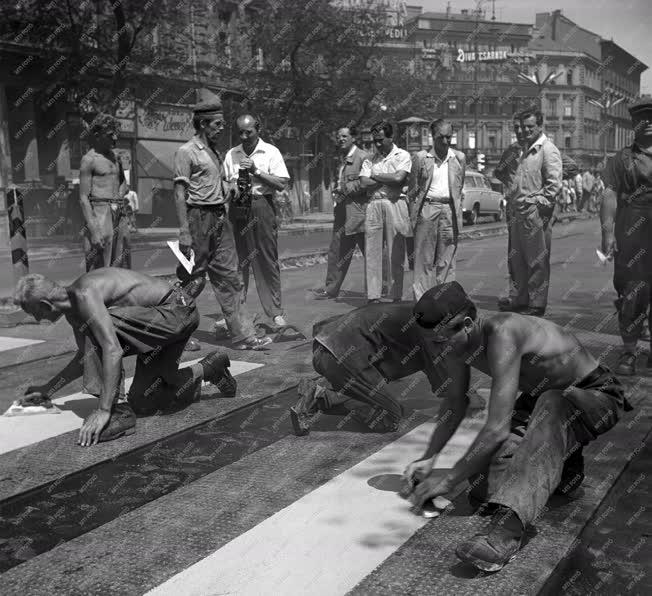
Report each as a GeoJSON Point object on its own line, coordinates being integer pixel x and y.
{"type": "Point", "coordinates": [359, 353]}
{"type": "Point", "coordinates": [626, 217]}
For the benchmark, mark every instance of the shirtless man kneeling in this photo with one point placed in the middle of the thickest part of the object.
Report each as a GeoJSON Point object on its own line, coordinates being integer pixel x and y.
{"type": "Point", "coordinates": [114, 313]}
{"type": "Point", "coordinates": [518, 459]}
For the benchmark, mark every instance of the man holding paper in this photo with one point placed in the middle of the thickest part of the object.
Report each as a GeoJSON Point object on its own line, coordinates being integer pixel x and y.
{"type": "Point", "coordinates": [204, 229]}
{"type": "Point", "coordinates": [626, 217]}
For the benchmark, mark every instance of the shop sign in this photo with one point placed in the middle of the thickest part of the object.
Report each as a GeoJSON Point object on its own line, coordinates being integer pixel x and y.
{"type": "Point", "coordinates": [492, 55]}
{"type": "Point", "coordinates": [165, 122]}
{"type": "Point", "coordinates": [395, 32]}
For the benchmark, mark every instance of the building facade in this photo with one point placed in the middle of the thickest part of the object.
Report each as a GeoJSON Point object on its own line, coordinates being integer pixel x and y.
{"type": "Point", "coordinates": [590, 69]}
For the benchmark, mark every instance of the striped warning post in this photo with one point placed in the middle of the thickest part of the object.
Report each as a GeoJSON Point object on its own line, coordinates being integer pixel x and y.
{"type": "Point", "coordinates": [17, 235]}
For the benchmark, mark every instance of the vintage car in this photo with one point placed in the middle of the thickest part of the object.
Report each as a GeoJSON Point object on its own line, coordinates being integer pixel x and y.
{"type": "Point", "coordinates": [479, 198]}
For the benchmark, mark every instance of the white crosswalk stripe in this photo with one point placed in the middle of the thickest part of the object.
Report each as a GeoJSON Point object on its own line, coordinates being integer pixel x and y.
{"type": "Point", "coordinates": [20, 431]}
{"type": "Point", "coordinates": [329, 540]}
{"type": "Point", "coordinates": [11, 343]}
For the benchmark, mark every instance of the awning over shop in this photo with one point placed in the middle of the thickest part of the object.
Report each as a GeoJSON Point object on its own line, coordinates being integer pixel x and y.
{"type": "Point", "coordinates": [155, 159]}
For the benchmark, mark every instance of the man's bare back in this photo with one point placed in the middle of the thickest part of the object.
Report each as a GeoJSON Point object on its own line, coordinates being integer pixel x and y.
{"type": "Point", "coordinates": [552, 358]}
{"type": "Point", "coordinates": [119, 287]}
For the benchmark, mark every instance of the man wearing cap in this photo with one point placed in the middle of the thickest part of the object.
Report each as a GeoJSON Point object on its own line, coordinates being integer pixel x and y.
{"type": "Point", "coordinates": [102, 186]}
{"type": "Point", "coordinates": [358, 354]}
{"type": "Point", "coordinates": [534, 186]}
{"type": "Point", "coordinates": [435, 198]}
{"type": "Point", "coordinates": [256, 234]}
{"type": "Point", "coordinates": [626, 217]}
{"type": "Point", "coordinates": [384, 176]}
{"type": "Point", "coordinates": [529, 447]}
{"type": "Point", "coordinates": [204, 228]}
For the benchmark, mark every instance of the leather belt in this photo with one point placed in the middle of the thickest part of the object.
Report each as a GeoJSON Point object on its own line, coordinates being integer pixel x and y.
{"type": "Point", "coordinates": [445, 201]}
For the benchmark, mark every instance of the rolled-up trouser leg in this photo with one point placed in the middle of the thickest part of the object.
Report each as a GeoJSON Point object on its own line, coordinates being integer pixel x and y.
{"type": "Point", "coordinates": [560, 422]}
{"type": "Point", "coordinates": [366, 385]}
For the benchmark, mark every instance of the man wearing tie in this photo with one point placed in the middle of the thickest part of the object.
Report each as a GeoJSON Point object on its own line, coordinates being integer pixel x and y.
{"type": "Point", "coordinates": [349, 211]}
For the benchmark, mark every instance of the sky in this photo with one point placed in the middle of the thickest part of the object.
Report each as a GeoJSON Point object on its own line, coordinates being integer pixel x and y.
{"type": "Point", "coordinates": [627, 22]}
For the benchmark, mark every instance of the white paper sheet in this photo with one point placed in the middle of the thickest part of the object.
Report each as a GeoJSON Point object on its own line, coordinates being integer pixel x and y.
{"type": "Point", "coordinates": [187, 264]}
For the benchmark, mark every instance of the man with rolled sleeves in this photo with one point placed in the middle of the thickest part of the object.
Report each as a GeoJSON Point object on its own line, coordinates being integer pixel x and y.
{"type": "Point", "coordinates": [384, 176]}
{"type": "Point", "coordinates": [349, 212]}
{"type": "Point", "coordinates": [435, 198]}
{"type": "Point", "coordinates": [531, 200]}
{"type": "Point", "coordinates": [257, 236]}
{"type": "Point", "coordinates": [201, 199]}
{"type": "Point", "coordinates": [626, 217]}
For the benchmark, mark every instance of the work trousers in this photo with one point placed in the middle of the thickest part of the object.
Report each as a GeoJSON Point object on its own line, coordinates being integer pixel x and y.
{"type": "Point", "coordinates": [363, 387]}
{"type": "Point", "coordinates": [158, 336]}
{"type": "Point", "coordinates": [388, 220]}
{"type": "Point", "coordinates": [341, 251]}
{"type": "Point", "coordinates": [257, 246]}
{"type": "Point", "coordinates": [530, 239]}
{"type": "Point", "coordinates": [215, 253]}
{"type": "Point", "coordinates": [115, 250]}
{"type": "Point", "coordinates": [633, 269]}
{"type": "Point", "coordinates": [545, 432]}
{"type": "Point", "coordinates": [433, 247]}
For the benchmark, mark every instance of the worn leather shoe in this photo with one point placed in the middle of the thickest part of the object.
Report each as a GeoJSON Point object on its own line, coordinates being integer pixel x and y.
{"type": "Point", "coordinates": [321, 294]}
{"type": "Point", "coordinates": [626, 364]}
{"type": "Point", "coordinates": [121, 424]}
{"type": "Point", "coordinates": [533, 311]}
{"type": "Point", "coordinates": [493, 550]}
{"type": "Point", "coordinates": [192, 346]}
{"type": "Point", "coordinates": [216, 371]}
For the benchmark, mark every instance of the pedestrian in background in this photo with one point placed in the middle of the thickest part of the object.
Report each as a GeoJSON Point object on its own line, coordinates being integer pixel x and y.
{"type": "Point", "coordinates": [256, 235]}
{"type": "Point", "coordinates": [349, 210]}
{"type": "Point", "coordinates": [132, 208]}
{"type": "Point", "coordinates": [587, 189]}
{"type": "Point", "coordinates": [387, 218]}
{"type": "Point", "coordinates": [596, 192]}
{"type": "Point", "coordinates": [201, 199]}
{"type": "Point", "coordinates": [102, 185]}
{"type": "Point", "coordinates": [435, 200]}
{"type": "Point", "coordinates": [577, 185]}
{"type": "Point", "coordinates": [532, 197]}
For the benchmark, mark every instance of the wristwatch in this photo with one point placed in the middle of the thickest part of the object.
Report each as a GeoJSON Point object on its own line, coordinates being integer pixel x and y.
{"type": "Point", "coordinates": [255, 171]}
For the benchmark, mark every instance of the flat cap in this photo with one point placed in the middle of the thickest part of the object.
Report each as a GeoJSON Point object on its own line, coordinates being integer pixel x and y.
{"type": "Point", "coordinates": [208, 106]}
{"type": "Point", "coordinates": [642, 106]}
{"type": "Point", "coordinates": [441, 304]}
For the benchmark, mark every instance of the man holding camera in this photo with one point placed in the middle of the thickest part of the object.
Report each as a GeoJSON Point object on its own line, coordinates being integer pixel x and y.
{"type": "Point", "coordinates": [201, 199]}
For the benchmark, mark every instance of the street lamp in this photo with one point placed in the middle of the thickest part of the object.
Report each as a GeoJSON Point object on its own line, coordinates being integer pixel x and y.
{"type": "Point", "coordinates": [609, 102]}
{"type": "Point", "coordinates": [535, 79]}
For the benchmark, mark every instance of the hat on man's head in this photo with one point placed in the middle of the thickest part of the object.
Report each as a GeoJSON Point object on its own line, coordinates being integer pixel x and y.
{"type": "Point", "coordinates": [441, 304]}
{"type": "Point", "coordinates": [642, 106]}
{"type": "Point", "coordinates": [208, 107]}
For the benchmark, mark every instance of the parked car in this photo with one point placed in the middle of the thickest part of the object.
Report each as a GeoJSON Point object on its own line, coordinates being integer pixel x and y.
{"type": "Point", "coordinates": [478, 198]}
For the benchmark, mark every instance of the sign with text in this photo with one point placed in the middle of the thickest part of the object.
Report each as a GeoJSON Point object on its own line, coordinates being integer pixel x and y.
{"type": "Point", "coordinates": [165, 122]}
{"type": "Point", "coordinates": [463, 56]}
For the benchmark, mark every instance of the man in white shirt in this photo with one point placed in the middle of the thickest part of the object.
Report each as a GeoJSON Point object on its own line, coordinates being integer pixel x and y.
{"type": "Point", "coordinates": [435, 198]}
{"type": "Point", "coordinates": [387, 213]}
{"type": "Point", "coordinates": [256, 235]}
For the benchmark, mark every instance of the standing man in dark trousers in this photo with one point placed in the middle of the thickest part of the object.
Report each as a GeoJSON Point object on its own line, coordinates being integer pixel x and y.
{"type": "Point", "coordinates": [204, 228]}
{"type": "Point", "coordinates": [349, 211]}
{"type": "Point", "coordinates": [626, 217]}
{"type": "Point", "coordinates": [257, 236]}
{"type": "Point", "coordinates": [531, 201]}
{"type": "Point", "coordinates": [435, 199]}
{"type": "Point", "coordinates": [102, 186]}
{"type": "Point", "coordinates": [506, 173]}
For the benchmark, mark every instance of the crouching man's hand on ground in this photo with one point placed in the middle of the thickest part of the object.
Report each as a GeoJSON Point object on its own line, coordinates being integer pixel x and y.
{"type": "Point", "coordinates": [414, 474]}
{"type": "Point", "coordinates": [92, 427]}
{"type": "Point", "coordinates": [435, 484]}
